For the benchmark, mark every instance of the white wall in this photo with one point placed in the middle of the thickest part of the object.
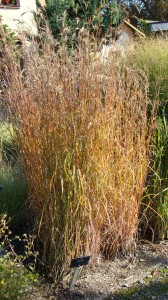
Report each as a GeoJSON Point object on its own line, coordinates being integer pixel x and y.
{"type": "Point", "coordinates": [20, 18]}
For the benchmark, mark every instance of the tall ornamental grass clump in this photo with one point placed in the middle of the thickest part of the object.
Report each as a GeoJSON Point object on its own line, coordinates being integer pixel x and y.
{"type": "Point", "coordinates": [152, 56]}
{"type": "Point", "coordinates": [82, 128]}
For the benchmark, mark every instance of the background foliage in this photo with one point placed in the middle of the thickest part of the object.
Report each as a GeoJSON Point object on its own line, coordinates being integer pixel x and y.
{"type": "Point", "coordinates": [150, 9]}
{"type": "Point", "coordinates": [97, 16]}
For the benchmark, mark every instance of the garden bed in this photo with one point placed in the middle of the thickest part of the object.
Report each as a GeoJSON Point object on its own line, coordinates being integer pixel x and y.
{"type": "Point", "coordinates": [140, 276]}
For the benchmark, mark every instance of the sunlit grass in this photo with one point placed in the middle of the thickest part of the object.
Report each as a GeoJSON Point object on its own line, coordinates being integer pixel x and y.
{"type": "Point", "coordinates": [83, 133]}
{"type": "Point", "coordinates": [152, 56]}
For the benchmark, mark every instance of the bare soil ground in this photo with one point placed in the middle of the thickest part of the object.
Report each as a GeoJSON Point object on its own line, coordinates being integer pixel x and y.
{"type": "Point", "coordinates": [104, 280]}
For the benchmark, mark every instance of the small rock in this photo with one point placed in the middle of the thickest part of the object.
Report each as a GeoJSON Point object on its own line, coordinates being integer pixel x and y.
{"type": "Point", "coordinates": [124, 285]}
{"type": "Point", "coordinates": [141, 259]}
{"type": "Point", "coordinates": [141, 281]}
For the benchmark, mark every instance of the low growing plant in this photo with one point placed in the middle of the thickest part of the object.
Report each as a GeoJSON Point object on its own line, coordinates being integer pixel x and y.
{"type": "Point", "coordinates": [16, 281]}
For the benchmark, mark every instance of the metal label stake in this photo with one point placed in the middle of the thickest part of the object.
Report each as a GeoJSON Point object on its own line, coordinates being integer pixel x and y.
{"type": "Point", "coordinates": [76, 263]}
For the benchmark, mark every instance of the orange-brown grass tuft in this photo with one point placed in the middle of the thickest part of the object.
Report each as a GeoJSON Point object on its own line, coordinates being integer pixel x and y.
{"type": "Point", "coordinates": [82, 129]}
